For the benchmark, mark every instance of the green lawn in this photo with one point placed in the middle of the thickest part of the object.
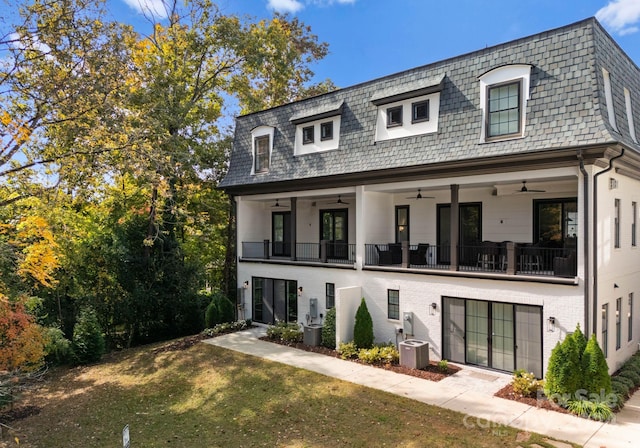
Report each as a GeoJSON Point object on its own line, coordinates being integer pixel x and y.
{"type": "Point", "coordinates": [206, 396]}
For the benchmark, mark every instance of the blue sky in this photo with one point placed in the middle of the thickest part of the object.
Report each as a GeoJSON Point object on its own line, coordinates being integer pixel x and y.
{"type": "Point", "coordinates": [373, 38]}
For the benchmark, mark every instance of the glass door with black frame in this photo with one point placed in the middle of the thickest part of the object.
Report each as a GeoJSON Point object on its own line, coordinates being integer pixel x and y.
{"type": "Point", "coordinates": [334, 229]}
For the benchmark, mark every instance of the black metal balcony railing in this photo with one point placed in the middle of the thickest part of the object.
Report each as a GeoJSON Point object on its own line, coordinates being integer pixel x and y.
{"type": "Point", "coordinates": [321, 252]}
{"type": "Point", "coordinates": [505, 258]}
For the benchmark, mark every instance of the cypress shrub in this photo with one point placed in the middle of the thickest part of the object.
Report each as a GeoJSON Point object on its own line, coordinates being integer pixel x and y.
{"type": "Point", "coordinates": [88, 341]}
{"type": "Point", "coordinates": [564, 376]}
{"type": "Point", "coordinates": [329, 329]}
{"type": "Point", "coordinates": [363, 329]}
{"type": "Point", "coordinates": [595, 369]}
{"type": "Point", "coordinates": [220, 310]}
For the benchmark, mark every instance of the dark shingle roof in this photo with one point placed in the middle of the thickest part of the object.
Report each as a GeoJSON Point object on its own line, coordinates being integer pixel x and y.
{"type": "Point", "coordinates": [565, 109]}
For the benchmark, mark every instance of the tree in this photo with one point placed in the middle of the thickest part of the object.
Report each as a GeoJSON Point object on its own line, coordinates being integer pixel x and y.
{"type": "Point", "coordinates": [329, 329]}
{"type": "Point", "coordinates": [595, 369]}
{"type": "Point", "coordinates": [21, 339]}
{"type": "Point", "coordinates": [88, 341]}
{"type": "Point", "coordinates": [363, 329]}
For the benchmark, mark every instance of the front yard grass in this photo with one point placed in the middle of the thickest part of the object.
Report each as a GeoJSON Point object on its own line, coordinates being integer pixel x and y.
{"type": "Point", "coordinates": [206, 396]}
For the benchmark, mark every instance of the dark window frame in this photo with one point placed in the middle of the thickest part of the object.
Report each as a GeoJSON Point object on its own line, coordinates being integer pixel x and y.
{"type": "Point", "coordinates": [605, 329]}
{"type": "Point", "coordinates": [391, 123]}
{"type": "Point", "coordinates": [618, 323]}
{"type": "Point", "coordinates": [415, 107]}
{"type": "Point", "coordinates": [630, 318]}
{"type": "Point", "coordinates": [407, 225]}
{"type": "Point", "coordinates": [330, 295]}
{"type": "Point", "coordinates": [634, 224]}
{"type": "Point", "coordinates": [616, 223]}
{"type": "Point", "coordinates": [488, 135]}
{"type": "Point", "coordinates": [262, 154]}
{"type": "Point", "coordinates": [324, 134]}
{"type": "Point", "coordinates": [565, 209]}
{"type": "Point", "coordinates": [308, 135]}
{"type": "Point", "coordinates": [393, 304]}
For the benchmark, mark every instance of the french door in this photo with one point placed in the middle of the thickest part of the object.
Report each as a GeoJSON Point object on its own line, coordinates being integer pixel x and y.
{"type": "Point", "coordinates": [274, 300]}
{"type": "Point", "coordinates": [501, 336]}
{"type": "Point", "coordinates": [470, 233]}
{"type": "Point", "coordinates": [281, 233]}
{"type": "Point", "coordinates": [334, 229]}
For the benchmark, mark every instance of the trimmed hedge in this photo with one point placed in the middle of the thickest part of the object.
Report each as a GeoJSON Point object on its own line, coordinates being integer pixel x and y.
{"type": "Point", "coordinates": [329, 329]}
{"type": "Point", "coordinates": [363, 329]}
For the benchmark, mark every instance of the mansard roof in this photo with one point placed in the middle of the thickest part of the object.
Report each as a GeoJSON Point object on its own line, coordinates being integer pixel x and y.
{"type": "Point", "coordinates": [566, 109]}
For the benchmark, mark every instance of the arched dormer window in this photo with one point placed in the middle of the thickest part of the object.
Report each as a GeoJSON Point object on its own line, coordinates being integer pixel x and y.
{"type": "Point", "coordinates": [504, 92]}
{"type": "Point", "coordinates": [262, 146]}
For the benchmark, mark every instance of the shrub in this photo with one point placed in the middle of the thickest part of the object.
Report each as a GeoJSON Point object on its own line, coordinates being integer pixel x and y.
{"type": "Point", "coordinates": [386, 354]}
{"type": "Point", "coordinates": [594, 410]}
{"type": "Point", "coordinates": [88, 341]}
{"type": "Point", "coordinates": [329, 329]}
{"type": "Point", "coordinates": [443, 365]}
{"type": "Point", "coordinates": [286, 332]}
{"type": "Point", "coordinates": [633, 376]}
{"type": "Point", "coordinates": [526, 383]}
{"type": "Point", "coordinates": [219, 310]}
{"type": "Point", "coordinates": [347, 350]}
{"type": "Point", "coordinates": [58, 349]}
{"type": "Point", "coordinates": [564, 371]}
{"type": "Point", "coordinates": [595, 369]}
{"type": "Point", "coordinates": [623, 380]}
{"type": "Point", "coordinates": [363, 329]}
{"type": "Point", "coordinates": [227, 327]}
{"type": "Point", "coordinates": [619, 388]}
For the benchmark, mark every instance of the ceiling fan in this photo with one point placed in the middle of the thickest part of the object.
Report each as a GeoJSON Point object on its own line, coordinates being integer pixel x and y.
{"type": "Point", "coordinates": [419, 196]}
{"type": "Point", "coordinates": [524, 189]}
{"type": "Point", "coordinates": [339, 201]}
{"type": "Point", "coordinates": [277, 204]}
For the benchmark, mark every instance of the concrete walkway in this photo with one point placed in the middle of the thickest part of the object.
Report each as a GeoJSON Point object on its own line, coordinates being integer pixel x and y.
{"type": "Point", "coordinates": [469, 391]}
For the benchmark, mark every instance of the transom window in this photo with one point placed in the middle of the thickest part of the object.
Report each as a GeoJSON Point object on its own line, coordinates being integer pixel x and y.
{"type": "Point", "coordinates": [420, 111]}
{"type": "Point", "coordinates": [504, 107]}
{"type": "Point", "coordinates": [326, 130]}
{"type": "Point", "coordinates": [262, 154]}
{"type": "Point", "coordinates": [307, 135]}
{"type": "Point", "coordinates": [394, 116]}
{"type": "Point", "coordinates": [393, 304]}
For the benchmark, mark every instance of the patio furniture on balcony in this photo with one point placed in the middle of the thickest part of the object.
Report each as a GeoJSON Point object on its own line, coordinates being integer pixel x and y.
{"type": "Point", "coordinates": [565, 266]}
{"type": "Point", "coordinates": [419, 256]}
{"type": "Point", "coordinates": [391, 255]}
{"type": "Point", "coordinates": [489, 256]}
{"type": "Point", "coordinates": [530, 258]}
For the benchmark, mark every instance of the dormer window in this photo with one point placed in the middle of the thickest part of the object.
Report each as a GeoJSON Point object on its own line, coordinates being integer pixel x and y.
{"type": "Point", "coordinates": [326, 131]}
{"type": "Point", "coordinates": [420, 111]}
{"type": "Point", "coordinates": [262, 143]}
{"type": "Point", "coordinates": [307, 135]}
{"type": "Point", "coordinates": [504, 92]}
{"type": "Point", "coordinates": [504, 110]}
{"type": "Point", "coordinates": [394, 116]}
{"type": "Point", "coordinates": [262, 154]}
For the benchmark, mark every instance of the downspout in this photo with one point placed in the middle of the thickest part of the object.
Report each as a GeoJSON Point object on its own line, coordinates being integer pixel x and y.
{"type": "Point", "coordinates": [595, 238]}
{"type": "Point", "coordinates": [585, 240]}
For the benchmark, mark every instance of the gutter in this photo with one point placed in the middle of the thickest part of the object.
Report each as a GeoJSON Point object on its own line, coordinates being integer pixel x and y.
{"type": "Point", "coordinates": [585, 240]}
{"type": "Point", "coordinates": [595, 238]}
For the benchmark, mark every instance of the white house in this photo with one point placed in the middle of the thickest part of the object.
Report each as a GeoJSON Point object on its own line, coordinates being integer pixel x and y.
{"type": "Point", "coordinates": [487, 203]}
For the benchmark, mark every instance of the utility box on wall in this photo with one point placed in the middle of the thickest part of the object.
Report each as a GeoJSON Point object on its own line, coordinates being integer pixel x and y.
{"type": "Point", "coordinates": [407, 323]}
{"type": "Point", "coordinates": [313, 308]}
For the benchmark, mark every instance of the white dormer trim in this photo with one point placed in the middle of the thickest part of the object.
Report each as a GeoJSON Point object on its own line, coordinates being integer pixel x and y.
{"type": "Point", "coordinates": [318, 144]}
{"type": "Point", "coordinates": [409, 127]}
{"type": "Point", "coordinates": [609, 99]}
{"type": "Point", "coordinates": [627, 103]}
{"type": "Point", "coordinates": [256, 132]}
{"type": "Point", "coordinates": [501, 75]}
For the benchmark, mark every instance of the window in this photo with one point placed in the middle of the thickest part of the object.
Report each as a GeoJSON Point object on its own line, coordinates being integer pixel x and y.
{"type": "Point", "coordinates": [330, 295]}
{"type": "Point", "coordinates": [630, 318]}
{"type": "Point", "coordinates": [393, 304]}
{"type": "Point", "coordinates": [281, 234]}
{"type": "Point", "coordinates": [556, 222]}
{"type": "Point", "coordinates": [326, 130]}
{"type": "Point", "coordinates": [616, 223]}
{"type": "Point", "coordinates": [402, 223]}
{"type": "Point", "coordinates": [420, 111]}
{"type": "Point", "coordinates": [627, 101]}
{"type": "Point", "coordinates": [262, 154]}
{"type": "Point", "coordinates": [394, 116]}
{"type": "Point", "coordinates": [634, 222]}
{"type": "Point", "coordinates": [605, 328]}
{"type": "Point", "coordinates": [307, 135]}
{"type": "Point", "coordinates": [618, 322]}
{"type": "Point", "coordinates": [334, 229]}
{"type": "Point", "coordinates": [504, 110]}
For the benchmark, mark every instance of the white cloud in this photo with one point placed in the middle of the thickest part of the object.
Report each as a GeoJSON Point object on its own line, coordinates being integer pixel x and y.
{"type": "Point", "coordinates": [155, 7]}
{"type": "Point", "coordinates": [621, 16]}
{"type": "Point", "coordinates": [292, 6]}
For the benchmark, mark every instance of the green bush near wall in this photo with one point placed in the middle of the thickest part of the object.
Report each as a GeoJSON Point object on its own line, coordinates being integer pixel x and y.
{"type": "Point", "coordinates": [363, 329]}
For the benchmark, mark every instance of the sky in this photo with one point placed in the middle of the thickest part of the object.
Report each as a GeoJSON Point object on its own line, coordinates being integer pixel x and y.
{"type": "Point", "coordinates": [369, 39]}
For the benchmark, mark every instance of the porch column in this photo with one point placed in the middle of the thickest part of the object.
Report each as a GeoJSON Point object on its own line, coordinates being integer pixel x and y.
{"type": "Point", "coordinates": [455, 227]}
{"type": "Point", "coordinates": [294, 222]}
{"type": "Point", "coordinates": [361, 237]}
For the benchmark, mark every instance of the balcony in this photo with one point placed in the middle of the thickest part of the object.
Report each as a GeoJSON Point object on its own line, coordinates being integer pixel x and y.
{"type": "Point", "coordinates": [504, 258]}
{"type": "Point", "coordinates": [323, 252]}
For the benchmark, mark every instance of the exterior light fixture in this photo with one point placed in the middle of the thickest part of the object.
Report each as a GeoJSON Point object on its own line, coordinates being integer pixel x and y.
{"type": "Point", "coordinates": [551, 324]}
{"type": "Point", "coordinates": [245, 285]}
{"type": "Point", "coordinates": [432, 308]}
{"type": "Point", "coordinates": [299, 291]}
{"type": "Point", "coordinates": [615, 285]}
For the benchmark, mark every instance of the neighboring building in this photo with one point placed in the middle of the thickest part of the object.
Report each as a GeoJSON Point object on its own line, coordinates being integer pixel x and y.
{"type": "Point", "coordinates": [487, 203]}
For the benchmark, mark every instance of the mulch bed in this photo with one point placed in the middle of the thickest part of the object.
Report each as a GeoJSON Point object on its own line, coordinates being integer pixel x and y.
{"type": "Point", "coordinates": [432, 372]}
{"type": "Point", "coordinates": [508, 393]}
